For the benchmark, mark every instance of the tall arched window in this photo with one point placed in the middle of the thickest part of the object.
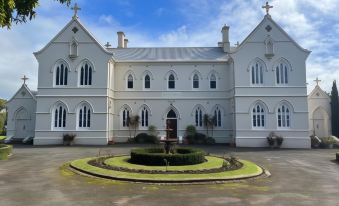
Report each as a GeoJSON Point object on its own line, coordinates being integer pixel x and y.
{"type": "Point", "coordinates": [144, 117]}
{"type": "Point", "coordinates": [125, 117]}
{"type": "Point", "coordinates": [257, 73]}
{"type": "Point", "coordinates": [198, 117]}
{"type": "Point", "coordinates": [281, 71]}
{"type": "Point", "coordinates": [284, 116]}
{"type": "Point", "coordinates": [84, 116]}
{"type": "Point", "coordinates": [213, 82]}
{"type": "Point", "coordinates": [217, 117]}
{"type": "Point", "coordinates": [171, 81]}
{"type": "Point", "coordinates": [86, 74]}
{"type": "Point", "coordinates": [147, 82]}
{"type": "Point", "coordinates": [195, 81]}
{"type": "Point", "coordinates": [59, 117]}
{"type": "Point", "coordinates": [61, 74]}
{"type": "Point", "coordinates": [258, 116]}
{"type": "Point", "coordinates": [130, 81]}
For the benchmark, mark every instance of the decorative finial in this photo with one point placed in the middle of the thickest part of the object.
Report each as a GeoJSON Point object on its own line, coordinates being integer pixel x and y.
{"type": "Point", "coordinates": [24, 78]}
{"type": "Point", "coordinates": [317, 80]}
{"type": "Point", "coordinates": [267, 7]}
{"type": "Point", "coordinates": [75, 8]}
{"type": "Point", "coordinates": [237, 44]}
{"type": "Point", "coordinates": [107, 45]}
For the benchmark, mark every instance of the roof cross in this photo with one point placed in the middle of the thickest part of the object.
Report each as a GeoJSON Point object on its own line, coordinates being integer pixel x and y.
{"type": "Point", "coordinates": [317, 80]}
{"type": "Point", "coordinates": [107, 45]}
{"type": "Point", "coordinates": [75, 8]}
{"type": "Point", "coordinates": [267, 7]}
{"type": "Point", "coordinates": [24, 78]}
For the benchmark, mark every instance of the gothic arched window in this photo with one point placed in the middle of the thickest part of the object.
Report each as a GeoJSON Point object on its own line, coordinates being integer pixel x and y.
{"type": "Point", "coordinates": [59, 115]}
{"type": "Point", "coordinates": [130, 81]}
{"type": "Point", "coordinates": [61, 74]}
{"type": "Point", "coordinates": [144, 117]}
{"type": "Point", "coordinates": [195, 81]}
{"type": "Point", "coordinates": [284, 116]}
{"type": "Point", "coordinates": [258, 116]}
{"type": "Point", "coordinates": [147, 82]}
{"type": "Point", "coordinates": [217, 117]}
{"type": "Point", "coordinates": [171, 81]}
{"type": "Point", "coordinates": [84, 116]}
{"type": "Point", "coordinates": [86, 74]}
{"type": "Point", "coordinates": [125, 117]}
{"type": "Point", "coordinates": [213, 82]}
{"type": "Point", "coordinates": [198, 117]}
{"type": "Point", "coordinates": [281, 71]}
{"type": "Point", "coordinates": [257, 73]}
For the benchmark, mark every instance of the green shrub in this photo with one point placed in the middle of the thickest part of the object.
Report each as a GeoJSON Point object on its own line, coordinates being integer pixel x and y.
{"type": "Point", "coordinates": [152, 131]}
{"type": "Point", "coordinates": [145, 138]}
{"type": "Point", "coordinates": [210, 140]}
{"type": "Point", "coordinates": [191, 130]}
{"type": "Point", "coordinates": [157, 156]}
{"type": "Point", "coordinates": [68, 139]}
{"type": "Point", "coordinates": [326, 142]}
{"type": "Point", "coordinates": [5, 150]}
{"type": "Point", "coordinates": [199, 138]}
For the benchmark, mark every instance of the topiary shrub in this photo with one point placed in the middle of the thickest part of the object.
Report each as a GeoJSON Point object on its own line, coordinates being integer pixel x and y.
{"type": "Point", "coordinates": [5, 151]}
{"type": "Point", "coordinates": [157, 156]}
{"type": "Point", "coordinates": [146, 138]}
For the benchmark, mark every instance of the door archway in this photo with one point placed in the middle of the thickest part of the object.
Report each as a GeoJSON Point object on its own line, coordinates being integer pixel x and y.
{"type": "Point", "coordinates": [22, 122]}
{"type": "Point", "coordinates": [320, 122]}
{"type": "Point", "coordinates": [172, 123]}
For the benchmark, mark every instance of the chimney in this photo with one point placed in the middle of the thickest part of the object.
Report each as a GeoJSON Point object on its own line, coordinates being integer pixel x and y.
{"type": "Point", "coordinates": [121, 37]}
{"type": "Point", "coordinates": [125, 43]}
{"type": "Point", "coordinates": [225, 38]}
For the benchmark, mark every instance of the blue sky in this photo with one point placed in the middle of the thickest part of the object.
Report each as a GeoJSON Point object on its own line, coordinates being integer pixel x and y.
{"type": "Point", "coordinates": [313, 24]}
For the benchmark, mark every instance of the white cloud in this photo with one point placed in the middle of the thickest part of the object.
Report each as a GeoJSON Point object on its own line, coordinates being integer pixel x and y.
{"type": "Point", "coordinates": [311, 23]}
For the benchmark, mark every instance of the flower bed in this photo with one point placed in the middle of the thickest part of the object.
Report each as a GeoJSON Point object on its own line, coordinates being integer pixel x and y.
{"type": "Point", "coordinates": [5, 151]}
{"type": "Point", "coordinates": [157, 156]}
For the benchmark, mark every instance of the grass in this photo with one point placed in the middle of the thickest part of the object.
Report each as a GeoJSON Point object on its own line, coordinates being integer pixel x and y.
{"type": "Point", "coordinates": [249, 169]}
{"type": "Point", "coordinates": [122, 161]}
{"type": "Point", "coordinates": [2, 138]}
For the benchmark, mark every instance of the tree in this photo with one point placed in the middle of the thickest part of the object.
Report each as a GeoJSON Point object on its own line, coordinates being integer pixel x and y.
{"type": "Point", "coordinates": [335, 109]}
{"type": "Point", "coordinates": [133, 123]}
{"type": "Point", "coordinates": [19, 11]}
{"type": "Point", "coordinates": [2, 104]}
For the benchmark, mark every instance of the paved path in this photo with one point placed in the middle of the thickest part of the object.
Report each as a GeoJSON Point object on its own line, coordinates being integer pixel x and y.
{"type": "Point", "coordinates": [299, 177]}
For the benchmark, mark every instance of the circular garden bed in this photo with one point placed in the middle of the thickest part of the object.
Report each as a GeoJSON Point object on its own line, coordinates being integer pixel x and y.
{"type": "Point", "coordinates": [212, 169]}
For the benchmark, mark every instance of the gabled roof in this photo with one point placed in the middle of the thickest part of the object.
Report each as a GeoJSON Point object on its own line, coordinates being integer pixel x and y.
{"type": "Point", "coordinates": [170, 54]}
{"type": "Point", "coordinates": [316, 90]}
{"type": "Point", "coordinates": [81, 26]}
{"type": "Point", "coordinates": [269, 18]}
{"type": "Point", "coordinates": [24, 86]}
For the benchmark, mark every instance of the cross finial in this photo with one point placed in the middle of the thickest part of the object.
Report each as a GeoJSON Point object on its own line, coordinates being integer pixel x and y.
{"type": "Point", "coordinates": [75, 8]}
{"type": "Point", "coordinates": [317, 80]}
{"type": "Point", "coordinates": [237, 44]}
{"type": "Point", "coordinates": [24, 78]}
{"type": "Point", "coordinates": [107, 45]}
{"type": "Point", "coordinates": [267, 7]}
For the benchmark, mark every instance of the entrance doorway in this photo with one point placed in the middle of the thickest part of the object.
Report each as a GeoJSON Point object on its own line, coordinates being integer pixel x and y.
{"type": "Point", "coordinates": [172, 123]}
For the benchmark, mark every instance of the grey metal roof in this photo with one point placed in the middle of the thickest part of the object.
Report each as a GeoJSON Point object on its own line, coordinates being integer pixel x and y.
{"type": "Point", "coordinates": [169, 54]}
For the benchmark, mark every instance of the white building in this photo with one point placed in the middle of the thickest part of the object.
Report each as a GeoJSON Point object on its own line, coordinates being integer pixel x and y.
{"type": "Point", "coordinates": [89, 89]}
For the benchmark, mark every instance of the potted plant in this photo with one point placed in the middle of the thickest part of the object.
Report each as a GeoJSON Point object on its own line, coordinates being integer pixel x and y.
{"type": "Point", "coordinates": [68, 139]}
{"type": "Point", "coordinates": [279, 140]}
{"type": "Point", "coordinates": [270, 139]}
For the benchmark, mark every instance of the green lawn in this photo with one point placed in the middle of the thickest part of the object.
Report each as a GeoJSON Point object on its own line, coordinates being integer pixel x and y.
{"type": "Point", "coordinates": [249, 169]}
{"type": "Point", "coordinates": [122, 161]}
{"type": "Point", "coordinates": [2, 137]}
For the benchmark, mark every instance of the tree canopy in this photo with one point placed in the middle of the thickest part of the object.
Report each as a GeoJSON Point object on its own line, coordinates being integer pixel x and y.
{"type": "Point", "coordinates": [335, 110]}
{"type": "Point", "coordinates": [2, 104]}
{"type": "Point", "coordinates": [19, 11]}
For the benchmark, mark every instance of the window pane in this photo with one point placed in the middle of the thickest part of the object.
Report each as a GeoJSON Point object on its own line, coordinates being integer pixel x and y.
{"type": "Point", "coordinates": [90, 76]}
{"type": "Point", "coordinates": [82, 76]}
{"type": "Point", "coordinates": [57, 76]}
{"type": "Point", "coordinates": [80, 118]}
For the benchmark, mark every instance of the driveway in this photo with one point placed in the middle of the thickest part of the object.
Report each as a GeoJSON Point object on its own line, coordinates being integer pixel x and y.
{"type": "Point", "coordinates": [32, 176]}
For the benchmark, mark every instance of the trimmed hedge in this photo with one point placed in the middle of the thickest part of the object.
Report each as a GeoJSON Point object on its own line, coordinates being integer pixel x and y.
{"type": "Point", "coordinates": [146, 138]}
{"type": "Point", "coordinates": [337, 156]}
{"type": "Point", "coordinates": [5, 150]}
{"type": "Point", "coordinates": [157, 156]}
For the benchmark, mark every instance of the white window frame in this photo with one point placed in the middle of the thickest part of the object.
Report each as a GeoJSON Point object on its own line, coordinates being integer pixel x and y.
{"type": "Point", "coordinates": [284, 116]}
{"type": "Point", "coordinates": [261, 114]}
